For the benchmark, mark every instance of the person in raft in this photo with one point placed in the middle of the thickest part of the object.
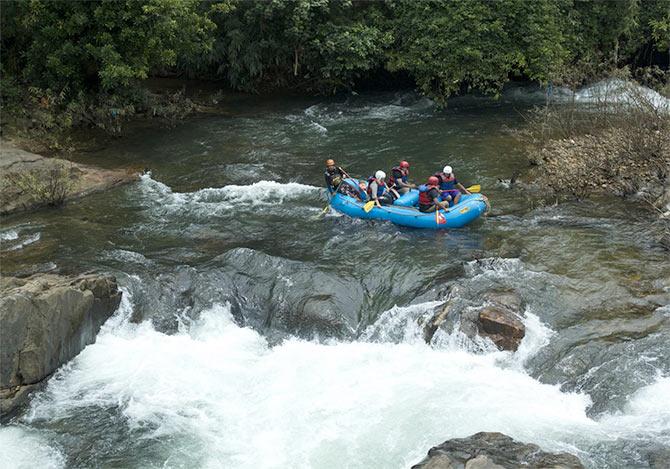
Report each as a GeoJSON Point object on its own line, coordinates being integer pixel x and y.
{"type": "Point", "coordinates": [379, 191]}
{"type": "Point", "coordinates": [429, 196]}
{"type": "Point", "coordinates": [449, 187]}
{"type": "Point", "coordinates": [399, 176]}
{"type": "Point", "coordinates": [334, 175]}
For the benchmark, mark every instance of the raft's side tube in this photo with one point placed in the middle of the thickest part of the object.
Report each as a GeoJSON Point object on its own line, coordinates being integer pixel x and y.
{"type": "Point", "coordinates": [409, 199]}
{"type": "Point", "coordinates": [470, 208]}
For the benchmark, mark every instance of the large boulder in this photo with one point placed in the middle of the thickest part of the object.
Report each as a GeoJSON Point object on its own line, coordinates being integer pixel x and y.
{"type": "Point", "coordinates": [46, 320]}
{"type": "Point", "coordinates": [498, 320]}
{"type": "Point", "coordinates": [494, 451]}
{"type": "Point", "coordinates": [502, 326]}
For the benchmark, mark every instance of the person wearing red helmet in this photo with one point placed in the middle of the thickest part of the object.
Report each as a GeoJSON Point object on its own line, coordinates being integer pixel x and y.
{"type": "Point", "coordinates": [398, 179]}
{"type": "Point", "coordinates": [429, 196]}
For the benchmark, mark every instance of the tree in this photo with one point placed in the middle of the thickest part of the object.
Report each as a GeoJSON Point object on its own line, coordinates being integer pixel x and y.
{"type": "Point", "coordinates": [100, 46]}
{"type": "Point", "coordinates": [475, 44]}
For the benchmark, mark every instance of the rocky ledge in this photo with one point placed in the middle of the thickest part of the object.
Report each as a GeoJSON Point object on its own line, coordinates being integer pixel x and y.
{"type": "Point", "coordinates": [45, 321]}
{"type": "Point", "coordinates": [494, 451]}
{"type": "Point", "coordinates": [81, 179]}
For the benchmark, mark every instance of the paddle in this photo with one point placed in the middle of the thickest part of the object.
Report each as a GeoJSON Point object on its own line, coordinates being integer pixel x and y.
{"type": "Point", "coordinates": [474, 189]}
{"type": "Point", "coordinates": [368, 206]}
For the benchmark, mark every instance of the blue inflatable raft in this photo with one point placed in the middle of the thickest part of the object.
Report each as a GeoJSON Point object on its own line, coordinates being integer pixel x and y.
{"type": "Point", "coordinates": [404, 211]}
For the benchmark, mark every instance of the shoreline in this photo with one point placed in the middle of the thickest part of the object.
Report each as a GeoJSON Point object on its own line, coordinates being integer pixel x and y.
{"type": "Point", "coordinates": [21, 170]}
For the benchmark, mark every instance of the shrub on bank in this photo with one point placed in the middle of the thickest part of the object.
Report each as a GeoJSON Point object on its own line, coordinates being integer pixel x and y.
{"type": "Point", "coordinates": [45, 186]}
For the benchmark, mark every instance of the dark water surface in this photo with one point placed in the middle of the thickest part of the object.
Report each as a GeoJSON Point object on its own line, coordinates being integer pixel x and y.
{"type": "Point", "coordinates": [331, 370]}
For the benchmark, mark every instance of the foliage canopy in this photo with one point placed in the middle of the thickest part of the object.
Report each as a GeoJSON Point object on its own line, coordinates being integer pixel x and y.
{"type": "Point", "coordinates": [107, 47]}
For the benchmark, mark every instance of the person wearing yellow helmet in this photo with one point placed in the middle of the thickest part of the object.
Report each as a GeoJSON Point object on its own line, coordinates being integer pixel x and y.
{"type": "Point", "coordinates": [334, 175]}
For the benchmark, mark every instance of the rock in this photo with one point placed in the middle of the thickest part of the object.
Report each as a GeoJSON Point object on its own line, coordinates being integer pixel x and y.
{"type": "Point", "coordinates": [494, 451]}
{"type": "Point", "coordinates": [45, 321]}
{"type": "Point", "coordinates": [482, 462]}
{"type": "Point", "coordinates": [85, 179]}
{"type": "Point", "coordinates": [498, 320]}
{"type": "Point", "coordinates": [505, 298]}
{"type": "Point", "coordinates": [502, 327]}
{"type": "Point", "coordinates": [659, 458]}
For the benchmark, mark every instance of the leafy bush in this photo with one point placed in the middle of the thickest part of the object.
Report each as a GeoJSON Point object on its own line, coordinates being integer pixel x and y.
{"type": "Point", "coordinates": [49, 187]}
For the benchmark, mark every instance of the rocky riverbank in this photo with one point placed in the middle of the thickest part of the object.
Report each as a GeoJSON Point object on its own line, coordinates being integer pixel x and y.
{"type": "Point", "coordinates": [45, 321]}
{"type": "Point", "coordinates": [610, 146]}
{"type": "Point", "coordinates": [494, 451]}
{"type": "Point", "coordinates": [29, 181]}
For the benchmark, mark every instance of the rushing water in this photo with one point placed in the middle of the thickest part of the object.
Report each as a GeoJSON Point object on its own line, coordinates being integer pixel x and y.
{"type": "Point", "coordinates": [255, 333]}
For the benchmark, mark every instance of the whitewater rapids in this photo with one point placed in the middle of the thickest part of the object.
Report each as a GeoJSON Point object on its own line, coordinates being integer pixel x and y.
{"type": "Point", "coordinates": [217, 395]}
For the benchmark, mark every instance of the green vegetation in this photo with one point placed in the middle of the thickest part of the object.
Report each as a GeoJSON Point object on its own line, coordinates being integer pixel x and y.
{"type": "Point", "coordinates": [85, 62]}
{"type": "Point", "coordinates": [48, 187]}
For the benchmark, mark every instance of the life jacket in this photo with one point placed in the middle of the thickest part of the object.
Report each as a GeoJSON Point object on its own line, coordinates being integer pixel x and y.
{"type": "Point", "coordinates": [335, 177]}
{"type": "Point", "coordinates": [381, 186]}
{"type": "Point", "coordinates": [424, 196]}
{"type": "Point", "coordinates": [446, 183]}
{"type": "Point", "coordinates": [402, 171]}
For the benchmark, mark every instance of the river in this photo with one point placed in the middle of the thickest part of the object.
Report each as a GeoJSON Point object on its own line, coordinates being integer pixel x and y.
{"type": "Point", "coordinates": [255, 333]}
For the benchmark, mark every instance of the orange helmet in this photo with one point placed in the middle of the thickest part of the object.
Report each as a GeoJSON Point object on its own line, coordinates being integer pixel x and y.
{"type": "Point", "coordinates": [433, 181]}
{"type": "Point", "coordinates": [330, 162]}
{"type": "Point", "coordinates": [404, 164]}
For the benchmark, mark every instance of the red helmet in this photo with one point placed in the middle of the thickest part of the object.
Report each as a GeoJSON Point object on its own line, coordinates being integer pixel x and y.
{"type": "Point", "coordinates": [404, 164]}
{"type": "Point", "coordinates": [433, 181]}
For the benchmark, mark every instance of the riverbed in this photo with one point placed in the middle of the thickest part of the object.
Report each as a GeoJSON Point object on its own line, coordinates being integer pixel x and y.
{"type": "Point", "coordinates": [255, 332]}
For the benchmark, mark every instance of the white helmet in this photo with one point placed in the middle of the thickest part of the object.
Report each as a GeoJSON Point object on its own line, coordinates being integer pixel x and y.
{"type": "Point", "coordinates": [380, 174]}
{"type": "Point", "coordinates": [447, 169]}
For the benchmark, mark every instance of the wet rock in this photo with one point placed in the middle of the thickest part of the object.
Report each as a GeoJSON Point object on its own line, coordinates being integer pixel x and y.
{"type": "Point", "coordinates": [659, 459]}
{"type": "Point", "coordinates": [46, 320]}
{"type": "Point", "coordinates": [494, 451]}
{"type": "Point", "coordinates": [84, 179]}
{"type": "Point", "coordinates": [502, 327]}
{"type": "Point", "coordinates": [498, 320]}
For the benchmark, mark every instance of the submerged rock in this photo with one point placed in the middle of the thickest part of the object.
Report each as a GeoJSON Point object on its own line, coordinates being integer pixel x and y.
{"type": "Point", "coordinates": [493, 451]}
{"type": "Point", "coordinates": [45, 321]}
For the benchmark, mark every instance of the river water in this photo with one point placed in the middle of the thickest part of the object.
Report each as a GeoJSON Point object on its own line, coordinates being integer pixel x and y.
{"type": "Point", "coordinates": [254, 333]}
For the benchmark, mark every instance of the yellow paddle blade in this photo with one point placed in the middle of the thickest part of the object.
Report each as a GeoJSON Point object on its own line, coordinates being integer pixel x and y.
{"type": "Point", "coordinates": [475, 189]}
{"type": "Point", "coordinates": [326, 209]}
{"type": "Point", "coordinates": [368, 206]}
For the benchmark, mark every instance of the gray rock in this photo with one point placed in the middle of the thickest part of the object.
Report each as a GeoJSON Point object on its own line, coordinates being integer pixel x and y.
{"type": "Point", "coordinates": [494, 451]}
{"type": "Point", "coordinates": [45, 321]}
{"type": "Point", "coordinates": [85, 179]}
{"type": "Point", "coordinates": [482, 462]}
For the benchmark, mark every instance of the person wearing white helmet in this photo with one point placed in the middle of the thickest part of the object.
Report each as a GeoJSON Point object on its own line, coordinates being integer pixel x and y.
{"type": "Point", "coordinates": [378, 190]}
{"type": "Point", "coordinates": [450, 188]}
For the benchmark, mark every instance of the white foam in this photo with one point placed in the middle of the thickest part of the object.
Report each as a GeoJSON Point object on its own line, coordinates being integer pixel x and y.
{"type": "Point", "coordinates": [647, 413]}
{"type": "Point", "coordinates": [621, 92]}
{"type": "Point", "coordinates": [319, 128]}
{"type": "Point", "coordinates": [33, 238]}
{"type": "Point", "coordinates": [303, 404]}
{"type": "Point", "coordinates": [261, 193]}
{"type": "Point", "coordinates": [21, 448]}
{"type": "Point", "coordinates": [9, 235]}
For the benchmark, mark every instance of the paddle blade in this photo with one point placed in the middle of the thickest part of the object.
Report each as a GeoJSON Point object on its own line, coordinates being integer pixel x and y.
{"type": "Point", "coordinates": [368, 206]}
{"type": "Point", "coordinates": [475, 189]}
{"type": "Point", "coordinates": [326, 209]}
